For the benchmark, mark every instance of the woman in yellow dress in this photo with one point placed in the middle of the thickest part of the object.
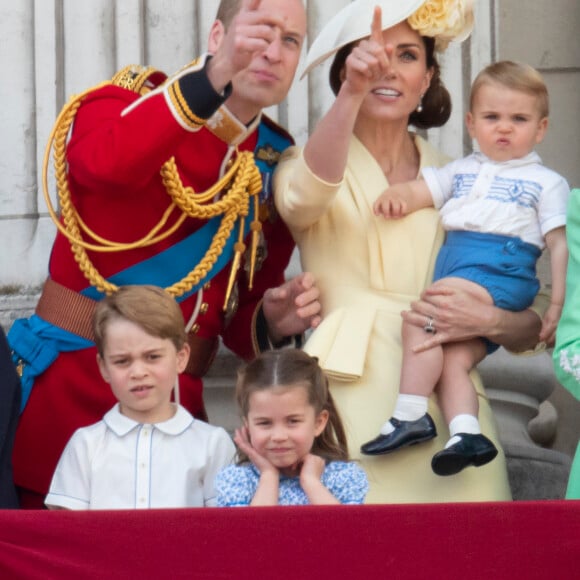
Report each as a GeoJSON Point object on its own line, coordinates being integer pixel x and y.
{"type": "Point", "coordinates": [370, 271]}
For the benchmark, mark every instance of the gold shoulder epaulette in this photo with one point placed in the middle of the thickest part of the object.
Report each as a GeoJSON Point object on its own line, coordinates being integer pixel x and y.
{"type": "Point", "coordinates": [139, 79]}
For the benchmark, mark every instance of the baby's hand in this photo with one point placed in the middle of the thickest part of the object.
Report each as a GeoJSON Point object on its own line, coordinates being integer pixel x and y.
{"type": "Point", "coordinates": [242, 440]}
{"type": "Point", "coordinates": [549, 324]}
{"type": "Point", "coordinates": [390, 206]}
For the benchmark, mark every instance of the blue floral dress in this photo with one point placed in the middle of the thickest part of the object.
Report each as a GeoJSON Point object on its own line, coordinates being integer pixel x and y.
{"type": "Point", "coordinates": [236, 485]}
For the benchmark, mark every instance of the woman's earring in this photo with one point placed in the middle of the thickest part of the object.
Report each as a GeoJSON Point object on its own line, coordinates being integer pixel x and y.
{"type": "Point", "coordinates": [419, 108]}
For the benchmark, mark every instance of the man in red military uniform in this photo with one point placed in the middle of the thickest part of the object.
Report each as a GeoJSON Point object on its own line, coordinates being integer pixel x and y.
{"type": "Point", "coordinates": [143, 151]}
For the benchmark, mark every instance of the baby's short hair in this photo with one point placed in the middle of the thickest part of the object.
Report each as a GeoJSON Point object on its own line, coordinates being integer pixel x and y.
{"type": "Point", "coordinates": [516, 76]}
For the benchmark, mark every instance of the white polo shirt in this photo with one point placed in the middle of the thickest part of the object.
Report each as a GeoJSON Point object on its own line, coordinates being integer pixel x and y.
{"type": "Point", "coordinates": [118, 463]}
{"type": "Point", "coordinates": [519, 197]}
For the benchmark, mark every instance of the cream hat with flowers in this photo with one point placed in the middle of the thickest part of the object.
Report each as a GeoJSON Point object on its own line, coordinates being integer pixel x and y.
{"type": "Point", "coordinates": [444, 20]}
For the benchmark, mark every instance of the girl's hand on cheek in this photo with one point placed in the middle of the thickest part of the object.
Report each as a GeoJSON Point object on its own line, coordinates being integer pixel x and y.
{"type": "Point", "coordinates": [311, 481]}
{"type": "Point", "coordinates": [242, 440]}
{"type": "Point", "coordinates": [312, 469]}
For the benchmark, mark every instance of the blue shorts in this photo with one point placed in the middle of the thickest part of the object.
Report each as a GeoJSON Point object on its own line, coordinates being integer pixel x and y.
{"type": "Point", "coordinates": [505, 266]}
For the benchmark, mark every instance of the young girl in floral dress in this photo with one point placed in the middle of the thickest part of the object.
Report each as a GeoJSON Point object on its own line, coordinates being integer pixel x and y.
{"type": "Point", "coordinates": [292, 446]}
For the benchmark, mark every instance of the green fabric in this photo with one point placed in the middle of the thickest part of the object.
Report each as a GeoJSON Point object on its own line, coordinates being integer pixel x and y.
{"type": "Point", "coordinates": [566, 355]}
{"type": "Point", "coordinates": [567, 350]}
{"type": "Point", "coordinates": [573, 491]}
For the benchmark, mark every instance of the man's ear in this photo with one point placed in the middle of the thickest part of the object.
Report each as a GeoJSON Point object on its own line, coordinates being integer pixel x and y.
{"type": "Point", "coordinates": [216, 35]}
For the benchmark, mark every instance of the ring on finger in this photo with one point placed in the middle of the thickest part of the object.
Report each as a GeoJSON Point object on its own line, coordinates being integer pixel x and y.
{"type": "Point", "coordinates": [429, 327]}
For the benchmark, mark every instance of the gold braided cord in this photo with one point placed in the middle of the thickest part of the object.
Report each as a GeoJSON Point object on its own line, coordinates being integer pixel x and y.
{"type": "Point", "coordinates": [242, 180]}
{"type": "Point", "coordinates": [233, 205]}
{"type": "Point", "coordinates": [58, 137]}
{"type": "Point", "coordinates": [109, 246]}
{"type": "Point", "coordinates": [256, 228]}
{"type": "Point", "coordinates": [58, 140]}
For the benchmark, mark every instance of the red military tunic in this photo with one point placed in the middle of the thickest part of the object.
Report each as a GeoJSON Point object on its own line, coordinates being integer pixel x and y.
{"type": "Point", "coordinates": [118, 144]}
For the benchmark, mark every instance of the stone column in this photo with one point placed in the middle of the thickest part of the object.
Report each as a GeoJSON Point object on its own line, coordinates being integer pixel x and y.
{"type": "Point", "coordinates": [518, 388]}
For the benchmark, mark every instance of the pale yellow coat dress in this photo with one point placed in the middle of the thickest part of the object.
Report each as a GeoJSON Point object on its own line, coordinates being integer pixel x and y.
{"type": "Point", "coordinates": [369, 269]}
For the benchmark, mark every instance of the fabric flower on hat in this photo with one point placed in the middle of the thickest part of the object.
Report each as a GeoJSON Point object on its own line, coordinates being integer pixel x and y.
{"type": "Point", "coordinates": [445, 20]}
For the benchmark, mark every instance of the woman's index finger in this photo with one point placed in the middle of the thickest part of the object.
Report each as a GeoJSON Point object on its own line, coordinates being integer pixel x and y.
{"type": "Point", "coordinates": [377, 25]}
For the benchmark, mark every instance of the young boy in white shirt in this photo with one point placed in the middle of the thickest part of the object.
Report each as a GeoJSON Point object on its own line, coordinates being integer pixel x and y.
{"type": "Point", "coordinates": [146, 452]}
{"type": "Point", "coordinates": [500, 208]}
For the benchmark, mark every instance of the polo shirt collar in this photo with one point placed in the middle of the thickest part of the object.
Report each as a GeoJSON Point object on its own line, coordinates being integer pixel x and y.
{"type": "Point", "coordinates": [530, 158]}
{"type": "Point", "coordinates": [121, 425]}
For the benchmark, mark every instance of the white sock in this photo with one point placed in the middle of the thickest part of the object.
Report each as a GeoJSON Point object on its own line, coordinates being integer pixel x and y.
{"type": "Point", "coordinates": [407, 408]}
{"type": "Point", "coordinates": [462, 424]}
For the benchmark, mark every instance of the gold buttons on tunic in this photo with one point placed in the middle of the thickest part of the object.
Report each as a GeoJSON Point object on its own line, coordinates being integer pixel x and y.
{"type": "Point", "coordinates": [204, 308]}
{"type": "Point", "coordinates": [195, 328]}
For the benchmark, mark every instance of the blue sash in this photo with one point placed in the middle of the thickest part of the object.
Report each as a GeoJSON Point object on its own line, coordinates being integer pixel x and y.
{"type": "Point", "coordinates": [174, 263]}
{"type": "Point", "coordinates": [37, 343]}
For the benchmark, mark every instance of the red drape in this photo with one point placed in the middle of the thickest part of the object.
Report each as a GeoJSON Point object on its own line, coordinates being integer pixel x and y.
{"type": "Point", "coordinates": [468, 541]}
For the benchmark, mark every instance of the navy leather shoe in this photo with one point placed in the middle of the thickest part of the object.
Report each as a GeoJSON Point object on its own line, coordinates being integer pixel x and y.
{"type": "Point", "coordinates": [405, 433]}
{"type": "Point", "coordinates": [472, 449]}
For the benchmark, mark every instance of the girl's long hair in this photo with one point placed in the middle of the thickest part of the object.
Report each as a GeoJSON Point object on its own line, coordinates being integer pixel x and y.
{"type": "Point", "coordinates": [293, 368]}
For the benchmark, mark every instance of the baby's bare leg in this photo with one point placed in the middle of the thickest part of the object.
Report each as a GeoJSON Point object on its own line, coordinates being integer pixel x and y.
{"type": "Point", "coordinates": [420, 371]}
{"type": "Point", "coordinates": [458, 401]}
{"type": "Point", "coordinates": [478, 292]}
{"type": "Point", "coordinates": [456, 392]}
{"type": "Point", "coordinates": [410, 422]}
